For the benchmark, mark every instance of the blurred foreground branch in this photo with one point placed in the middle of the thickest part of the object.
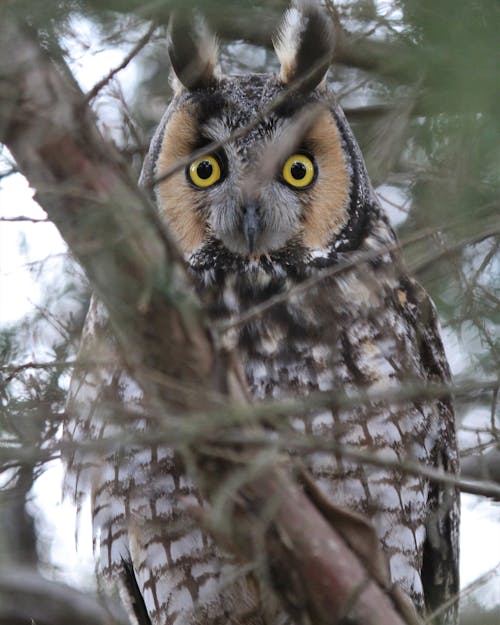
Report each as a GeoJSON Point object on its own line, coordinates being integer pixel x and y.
{"type": "Point", "coordinates": [26, 597]}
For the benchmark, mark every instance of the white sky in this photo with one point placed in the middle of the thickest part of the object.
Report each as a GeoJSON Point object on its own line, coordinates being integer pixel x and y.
{"type": "Point", "coordinates": [19, 291]}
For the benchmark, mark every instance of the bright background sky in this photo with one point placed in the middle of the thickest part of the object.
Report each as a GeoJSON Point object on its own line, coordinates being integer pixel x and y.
{"type": "Point", "coordinates": [24, 245]}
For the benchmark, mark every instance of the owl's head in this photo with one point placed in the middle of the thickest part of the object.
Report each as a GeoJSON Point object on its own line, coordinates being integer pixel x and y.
{"type": "Point", "coordinates": [268, 161]}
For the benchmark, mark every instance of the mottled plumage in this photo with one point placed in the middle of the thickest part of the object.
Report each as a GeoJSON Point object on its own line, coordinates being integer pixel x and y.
{"type": "Point", "coordinates": [250, 231]}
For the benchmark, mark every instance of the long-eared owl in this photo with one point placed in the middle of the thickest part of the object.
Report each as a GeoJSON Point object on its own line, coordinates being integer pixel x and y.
{"type": "Point", "coordinates": [282, 200]}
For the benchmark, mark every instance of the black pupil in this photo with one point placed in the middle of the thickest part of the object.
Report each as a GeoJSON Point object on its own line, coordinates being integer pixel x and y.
{"type": "Point", "coordinates": [204, 170]}
{"type": "Point", "coordinates": [298, 170]}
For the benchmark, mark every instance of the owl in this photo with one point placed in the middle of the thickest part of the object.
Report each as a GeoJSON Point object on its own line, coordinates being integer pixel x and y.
{"type": "Point", "coordinates": [260, 181]}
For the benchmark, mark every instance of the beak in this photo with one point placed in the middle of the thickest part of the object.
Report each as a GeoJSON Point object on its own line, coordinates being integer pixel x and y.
{"type": "Point", "coordinates": [251, 223]}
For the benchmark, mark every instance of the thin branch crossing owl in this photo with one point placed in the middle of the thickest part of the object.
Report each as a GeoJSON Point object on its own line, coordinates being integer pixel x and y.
{"type": "Point", "coordinates": [276, 196]}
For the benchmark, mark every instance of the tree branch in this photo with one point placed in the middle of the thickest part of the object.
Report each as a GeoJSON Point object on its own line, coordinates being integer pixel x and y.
{"type": "Point", "coordinates": [133, 52]}
{"type": "Point", "coordinates": [26, 597]}
{"type": "Point", "coordinates": [33, 220]}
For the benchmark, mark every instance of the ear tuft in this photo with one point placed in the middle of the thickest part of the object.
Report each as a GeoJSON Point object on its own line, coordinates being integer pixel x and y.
{"type": "Point", "coordinates": [193, 52]}
{"type": "Point", "coordinates": [304, 44]}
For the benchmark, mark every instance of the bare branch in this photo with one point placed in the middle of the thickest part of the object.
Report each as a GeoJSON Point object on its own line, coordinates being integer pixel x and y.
{"type": "Point", "coordinates": [26, 597]}
{"type": "Point", "coordinates": [33, 220]}
{"type": "Point", "coordinates": [14, 370]}
{"type": "Point", "coordinates": [465, 592]}
{"type": "Point", "coordinates": [484, 467]}
{"type": "Point", "coordinates": [133, 53]}
{"type": "Point", "coordinates": [8, 173]}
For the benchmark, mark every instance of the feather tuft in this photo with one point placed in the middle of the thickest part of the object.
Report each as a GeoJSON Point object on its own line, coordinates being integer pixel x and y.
{"type": "Point", "coordinates": [304, 45]}
{"type": "Point", "coordinates": [194, 53]}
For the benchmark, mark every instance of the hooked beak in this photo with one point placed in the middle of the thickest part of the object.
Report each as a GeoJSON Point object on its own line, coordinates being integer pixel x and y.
{"type": "Point", "coordinates": [251, 223]}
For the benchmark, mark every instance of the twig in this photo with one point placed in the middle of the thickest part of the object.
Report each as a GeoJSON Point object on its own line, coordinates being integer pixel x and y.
{"type": "Point", "coordinates": [15, 370]}
{"type": "Point", "coordinates": [378, 459]}
{"type": "Point", "coordinates": [34, 263]}
{"type": "Point", "coordinates": [37, 365]}
{"type": "Point", "coordinates": [465, 592]}
{"type": "Point", "coordinates": [24, 218]}
{"type": "Point", "coordinates": [494, 404]}
{"type": "Point", "coordinates": [9, 172]}
{"type": "Point", "coordinates": [135, 50]}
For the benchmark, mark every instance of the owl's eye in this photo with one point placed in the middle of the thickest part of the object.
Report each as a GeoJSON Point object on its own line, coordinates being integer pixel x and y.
{"type": "Point", "coordinates": [299, 171]}
{"type": "Point", "coordinates": [204, 172]}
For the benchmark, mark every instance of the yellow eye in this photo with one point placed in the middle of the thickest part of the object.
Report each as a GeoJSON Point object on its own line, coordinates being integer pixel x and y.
{"type": "Point", "coordinates": [299, 171]}
{"type": "Point", "coordinates": [204, 172]}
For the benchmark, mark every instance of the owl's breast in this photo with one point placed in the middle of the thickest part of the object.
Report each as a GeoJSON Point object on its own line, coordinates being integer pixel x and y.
{"type": "Point", "coordinates": [287, 344]}
{"type": "Point", "coordinates": [343, 336]}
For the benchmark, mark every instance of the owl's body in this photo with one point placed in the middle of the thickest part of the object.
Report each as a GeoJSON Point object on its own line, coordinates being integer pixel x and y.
{"type": "Point", "coordinates": [284, 210]}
